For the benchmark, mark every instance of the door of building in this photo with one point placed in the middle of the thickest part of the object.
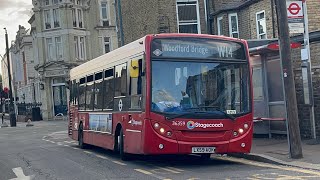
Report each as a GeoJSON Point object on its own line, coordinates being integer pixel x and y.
{"type": "Point", "coordinates": [59, 99]}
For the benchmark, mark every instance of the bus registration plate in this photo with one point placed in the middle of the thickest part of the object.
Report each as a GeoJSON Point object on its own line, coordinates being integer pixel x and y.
{"type": "Point", "coordinates": [203, 149]}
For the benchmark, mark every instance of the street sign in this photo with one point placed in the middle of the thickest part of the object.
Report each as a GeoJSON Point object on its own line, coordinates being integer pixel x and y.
{"type": "Point", "coordinates": [295, 16]}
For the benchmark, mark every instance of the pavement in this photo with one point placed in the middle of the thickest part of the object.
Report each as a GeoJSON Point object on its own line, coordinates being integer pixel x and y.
{"type": "Point", "coordinates": [276, 151]}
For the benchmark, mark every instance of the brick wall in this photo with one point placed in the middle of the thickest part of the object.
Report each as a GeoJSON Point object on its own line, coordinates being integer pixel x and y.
{"type": "Point", "coordinates": [142, 17]}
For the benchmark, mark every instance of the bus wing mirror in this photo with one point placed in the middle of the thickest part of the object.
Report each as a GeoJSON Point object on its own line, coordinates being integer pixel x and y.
{"type": "Point", "coordinates": [134, 68]}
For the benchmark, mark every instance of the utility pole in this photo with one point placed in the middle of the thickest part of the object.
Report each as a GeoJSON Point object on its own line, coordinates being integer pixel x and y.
{"type": "Point", "coordinates": [288, 79]}
{"type": "Point", "coordinates": [12, 114]}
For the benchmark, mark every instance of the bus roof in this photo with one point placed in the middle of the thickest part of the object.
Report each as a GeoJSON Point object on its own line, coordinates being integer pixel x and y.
{"type": "Point", "coordinates": [110, 59]}
{"type": "Point", "coordinates": [134, 48]}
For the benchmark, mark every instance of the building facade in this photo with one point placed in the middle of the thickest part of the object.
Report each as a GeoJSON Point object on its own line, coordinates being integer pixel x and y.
{"type": "Point", "coordinates": [24, 81]}
{"type": "Point", "coordinates": [256, 21]}
{"type": "Point", "coordinates": [65, 34]}
{"type": "Point", "coordinates": [137, 18]}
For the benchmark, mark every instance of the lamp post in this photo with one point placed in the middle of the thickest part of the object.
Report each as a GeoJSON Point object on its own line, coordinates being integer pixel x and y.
{"type": "Point", "coordinates": [12, 114]}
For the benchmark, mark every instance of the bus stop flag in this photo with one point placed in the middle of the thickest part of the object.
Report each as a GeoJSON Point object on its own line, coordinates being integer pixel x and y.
{"type": "Point", "coordinates": [295, 16]}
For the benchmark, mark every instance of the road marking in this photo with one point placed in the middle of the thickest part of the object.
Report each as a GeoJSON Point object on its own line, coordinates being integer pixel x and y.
{"type": "Point", "coordinates": [53, 142]}
{"type": "Point", "coordinates": [151, 174]}
{"type": "Point", "coordinates": [169, 170]}
{"type": "Point", "coordinates": [176, 169]}
{"type": "Point", "coordinates": [66, 145]}
{"type": "Point", "coordinates": [143, 171]}
{"type": "Point", "coordinates": [88, 152]}
{"type": "Point", "coordinates": [102, 157]}
{"type": "Point", "coordinates": [20, 175]}
{"type": "Point", "coordinates": [253, 163]}
{"type": "Point", "coordinates": [120, 163]}
{"type": "Point", "coordinates": [59, 143]}
{"type": "Point", "coordinates": [75, 148]}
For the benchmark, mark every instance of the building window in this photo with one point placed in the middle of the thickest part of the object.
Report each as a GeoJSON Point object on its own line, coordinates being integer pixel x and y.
{"type": "Point", "coordinates": [106, 44]}
{"type": "Point", "coordinates": [47, 19]}
{"type": "Point", "coordinates": [47, 2]}
{"type": "Point", "coordinates": [188, 16]}
{"type": "Point", "coordinates": [54, 48]}
{"type": "Point", "coordinates": [58, 47]}
{"type": "Point", "coordinates": [55, 1]}
{"type": "Point", "coordinates": [261, 25]}
{"type": "Point", "coordinates": [77, 18]}
{"type": "Point", "coordinates": [79, 46]}
{"type": "Point", "coordinates": [220, 25]}
{"type": "Point", "coordinates": [56, 18]}
{"type": "Point", "coordinates": [233, 25]}
{"type": "Point", "coordinates": [49, 49]}
{"type": "Point", "coordinates": [104, 14]}
{"type": "Point", "coordinates": [52, 18]}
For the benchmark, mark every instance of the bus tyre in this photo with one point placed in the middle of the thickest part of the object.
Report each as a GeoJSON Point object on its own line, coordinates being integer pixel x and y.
{"type": "Point", "coordinates": [80, 137]}
{"type": "Point", "coordinates": [124, 156]}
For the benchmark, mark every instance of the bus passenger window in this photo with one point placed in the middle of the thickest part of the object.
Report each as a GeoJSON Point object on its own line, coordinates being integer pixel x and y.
{"type": "Point", "coordinates": [90, 93]}
{"type": "Point", "coordinates": [82, 94]}
{"type": "Point", "coordinates": [108, 90]}
{"type": "Point", "coordinates": [135, 88]}
{"type": "Point", "coordinates": [121, 80]}
{"type": "Point", "coordinates": [98, 89]}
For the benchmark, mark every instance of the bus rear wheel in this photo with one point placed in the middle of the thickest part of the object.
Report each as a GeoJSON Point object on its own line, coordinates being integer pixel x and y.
{"type": "Point", "coordinates": [80, 137]}
{"type": "Point", "coordinates": [124, 156]}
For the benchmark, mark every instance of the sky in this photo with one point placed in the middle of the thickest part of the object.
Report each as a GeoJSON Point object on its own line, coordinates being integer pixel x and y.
{"type": "Point", "coordinates": [13, 13]}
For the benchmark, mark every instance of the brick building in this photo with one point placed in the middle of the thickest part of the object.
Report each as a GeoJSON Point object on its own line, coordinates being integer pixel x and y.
{"type": "Point", "coordinates": [256, 21]}
{"type": "Point", "coordinates": [138, 18]}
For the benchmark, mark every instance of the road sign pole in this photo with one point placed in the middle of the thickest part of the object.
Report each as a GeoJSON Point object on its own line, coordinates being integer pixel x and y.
{"type": "Point", "coordinates": [307, 47]}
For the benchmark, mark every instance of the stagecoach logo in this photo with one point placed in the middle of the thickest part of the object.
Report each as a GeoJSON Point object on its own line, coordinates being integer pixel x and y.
{"type": "Point", "coordinates": [120, 105]}
{"type": "Point", "coordinates": [134, 122]}
{"type": "Point", "coordinates": [192, 125]}
{"type": "Point", "coordinates": [157, 52]}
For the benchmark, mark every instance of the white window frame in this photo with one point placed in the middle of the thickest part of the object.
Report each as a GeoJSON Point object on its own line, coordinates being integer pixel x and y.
{"type": "Point", "coordinates": [76, 16]}
{"type": "Point", "coordinates": [188, 23]}
{"type": "Point", "coordinates": [219, 25]}
{"type": "Point", "coordinates": [52, 18]}
{"type": "Point", "coordinates": [230, 24]}
{"type": "Point", "coordinates": [108, 12]}
{"type": "Point", "coordinates": [48, 54]}
{"type": "Point", "coordinates": [104, 43]}
{"type": "Point", "coordinates": [54, 49]}
{"type": "Point", "coordinates": [77, 45]}
{"type": "Point", "coordinates": [265, 33]}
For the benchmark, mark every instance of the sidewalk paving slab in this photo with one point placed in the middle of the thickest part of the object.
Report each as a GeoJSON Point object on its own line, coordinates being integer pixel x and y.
{"type": "Point", "coordinates": [276, 151]}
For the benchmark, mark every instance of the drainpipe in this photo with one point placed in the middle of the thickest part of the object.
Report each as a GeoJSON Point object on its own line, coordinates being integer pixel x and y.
{"type": "Point", "coordinates": [120, 22]}
{"type": "Point", "coordinates": [272, 17]}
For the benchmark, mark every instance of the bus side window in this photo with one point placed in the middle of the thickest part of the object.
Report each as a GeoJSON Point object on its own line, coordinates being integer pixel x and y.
{"type": "Point", "coordinates": [82, 94]}
{"type": "Point", "coordinates": [121, 80]}
{"type": "Point", "coordinates": [135, 88]}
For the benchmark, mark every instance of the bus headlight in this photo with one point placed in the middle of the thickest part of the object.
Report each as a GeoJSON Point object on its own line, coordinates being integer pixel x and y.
{"type": "Point", "coordinates": [156, 125]}
{"type": "Point", "coordinates": [162, 130]}
{"type": "Point", "coordinates": [246, 126]}
{"type": "Point", "coordinates": [241, 130]}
